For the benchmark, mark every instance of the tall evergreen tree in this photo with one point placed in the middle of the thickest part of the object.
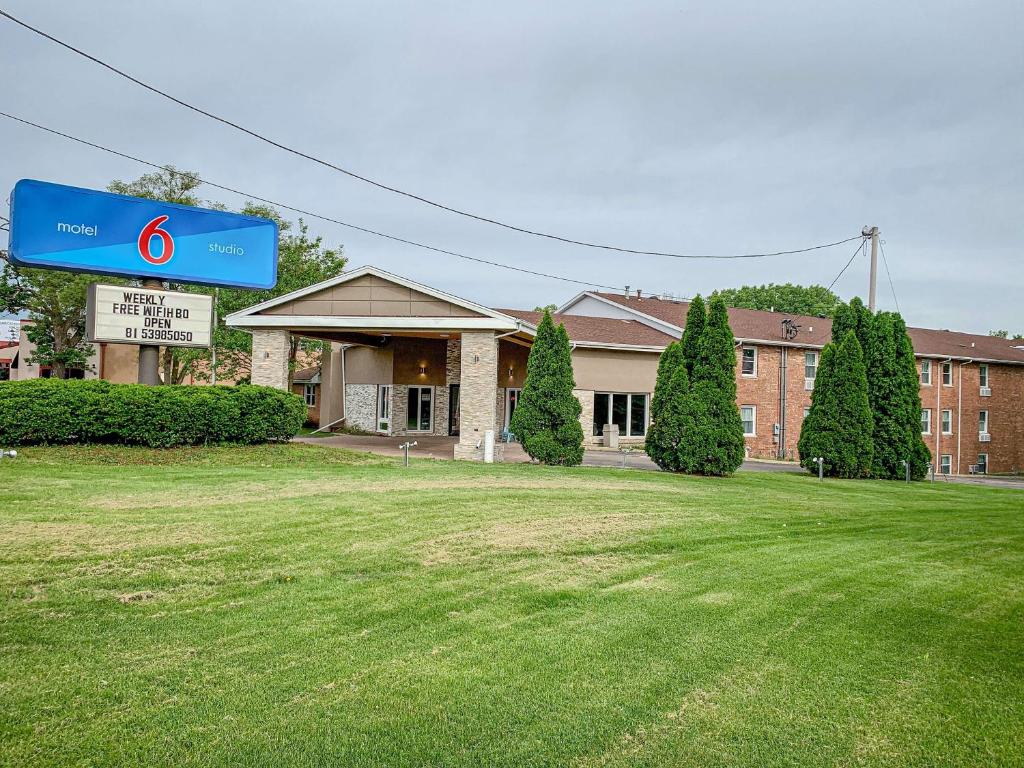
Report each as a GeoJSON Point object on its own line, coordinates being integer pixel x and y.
{"type": "Point", "coordinates": [839, 427]}
{"type": "Point", "coordinates": [672, 440]}
{"type": "Point", "coordinates": [715, 445]}
{"type": "Point", "coordinates": [909, 401]}
{"type": "Point", "coordinates": [669, 361]}
{"type": "Point", "coordinates": [547, 418]}
{"type": "Point", "coordinates": [852, 317]}
{"type": "Point", "coordinates": [888, 434]}
{"type": "Point", "coordinates": [696, 319]}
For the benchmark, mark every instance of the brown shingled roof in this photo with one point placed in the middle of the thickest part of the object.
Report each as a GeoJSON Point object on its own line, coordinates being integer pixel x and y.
{"type": "Point", "coordinates": [756, 325]}
{"type": "Point", "coordinates": [600, 330]}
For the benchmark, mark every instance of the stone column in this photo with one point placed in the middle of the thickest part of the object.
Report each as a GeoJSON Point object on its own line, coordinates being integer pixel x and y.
{"type": "Point", "coordinates": [478, 392]}
{"type": "Point", "coordinates": [270, 358]}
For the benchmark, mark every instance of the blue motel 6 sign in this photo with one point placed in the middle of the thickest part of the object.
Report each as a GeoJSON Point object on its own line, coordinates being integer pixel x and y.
{"type": "Point", "coordinates": [59, 227]}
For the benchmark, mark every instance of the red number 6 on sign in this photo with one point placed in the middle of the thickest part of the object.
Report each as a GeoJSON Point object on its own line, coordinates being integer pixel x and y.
{"type": "Point", "coordinates": [151, 230]}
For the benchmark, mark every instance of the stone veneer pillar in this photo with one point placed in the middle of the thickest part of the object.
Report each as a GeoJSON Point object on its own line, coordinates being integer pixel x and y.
{"type": "Point", "coordinates": [477, 392]}
{"type": "Point", "coordinates": [270, 358]}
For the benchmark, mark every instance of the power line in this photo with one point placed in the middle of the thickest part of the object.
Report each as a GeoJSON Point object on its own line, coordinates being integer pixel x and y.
{"type": "Point", "coordinates": [885, 261]}
{"type": "Point", "coordinates": [859, 249]}
{"type": "Point", "coordinates": [395, 190]}
{"type": "Point", "coordinates": [303, 212]}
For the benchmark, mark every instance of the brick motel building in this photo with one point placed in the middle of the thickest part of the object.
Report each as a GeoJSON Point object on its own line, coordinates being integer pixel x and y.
{"type": "Point", "coordinates": [409, 359]}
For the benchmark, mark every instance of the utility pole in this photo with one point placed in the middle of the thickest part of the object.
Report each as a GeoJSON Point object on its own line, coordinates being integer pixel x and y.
{"type": "Point", "coordinates": [149, 354]}
{"type": "Point", "coordinates": [872, 232]}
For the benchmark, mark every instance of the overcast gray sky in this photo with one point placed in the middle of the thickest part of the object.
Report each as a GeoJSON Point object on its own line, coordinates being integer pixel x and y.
{"type": "Point", "coordinates": [690, 127]}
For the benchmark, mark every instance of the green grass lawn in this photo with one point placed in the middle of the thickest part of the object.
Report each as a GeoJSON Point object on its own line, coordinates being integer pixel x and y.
{"type": "Point", "coordinates": [301, 605]}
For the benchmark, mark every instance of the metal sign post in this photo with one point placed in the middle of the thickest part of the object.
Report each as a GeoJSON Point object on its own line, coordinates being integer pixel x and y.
{"type": "Point", "coordinates": [820, 461]}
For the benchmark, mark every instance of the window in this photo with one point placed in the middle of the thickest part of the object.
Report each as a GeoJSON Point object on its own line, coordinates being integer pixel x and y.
{"type": "Point", "coordinates": [384, 408]}
{"type": "Point", "coordinates": [947, 374]}
{"type": "Point", "coordinates": [628, 411]}
{"type": "Point", "coordinates": [748, 415]}
{"type": "Point", "coordinates": [947, 422]}
{"type": "Point", "coordinates": [926, 373]}
{"type": "Point", "coordinates": [5, 371]}
{"type": "Point", "coordinates": [420, 409]}
{"type": "Point", "coordinates": [926, 421]}
{"type": "Point", "coordinates": [982, 422]}
{"type": "Point", "coordinates": [946, 464]}
{"type": "Point", "coordinates": [983, 375]}
{"type": "Point", "coordinates": [983, 463]}
{"type": "Point", "coordinates": [748, 364]}
{"type": "Point", "coordinates": [309, 394]}
{"type": "Point", "coordinates": [810, 369]}
{"type": "Point", "coordinates": [807, 411]}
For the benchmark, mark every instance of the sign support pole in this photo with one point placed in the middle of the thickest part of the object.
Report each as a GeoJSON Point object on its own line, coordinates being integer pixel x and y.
{"type": "Point", "coordinates": [149, 355]}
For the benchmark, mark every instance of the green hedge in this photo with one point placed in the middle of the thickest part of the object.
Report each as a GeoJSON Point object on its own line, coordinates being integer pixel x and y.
{"type": "Point", "coordinates": [55, 412]}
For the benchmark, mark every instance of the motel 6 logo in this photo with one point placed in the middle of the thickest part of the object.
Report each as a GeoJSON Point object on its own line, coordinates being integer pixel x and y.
{"type": "Point", "coordinates": [151, 230]}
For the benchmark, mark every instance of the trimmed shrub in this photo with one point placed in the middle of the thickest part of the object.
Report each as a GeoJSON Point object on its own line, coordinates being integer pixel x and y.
{"type": "Point", "coordinates": [672, 440]}
{"type": "Point", "coordinates": [909, 406]}
{"type": "Point", "coordinates": [547, 418]}
{"type": "Point", "coordinates": [696, 319]}
{"type": "Point", "coordinates": [839, 426]}
{"type": "Point", "coordinates": [59, 411]}
{"type": "Point", "coordinates": [715, 444]}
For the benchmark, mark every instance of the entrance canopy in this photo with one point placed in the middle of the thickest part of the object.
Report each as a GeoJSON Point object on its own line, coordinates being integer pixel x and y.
{"type": "Point", "coordinates": [368, 307]}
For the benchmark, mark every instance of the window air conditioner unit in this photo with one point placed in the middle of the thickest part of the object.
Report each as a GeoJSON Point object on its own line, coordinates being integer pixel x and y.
{"type": "Point", "coordinates": [985, 437]}
{"type": "Point", "coordinates": [986, 391]}
{"type": "Point", "coordinates": [809, 384]}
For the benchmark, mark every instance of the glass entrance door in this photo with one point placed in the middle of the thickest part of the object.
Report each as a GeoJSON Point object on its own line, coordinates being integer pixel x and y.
{"type": "Point", "coordinates": [420, 413]}
{"type": "Point", "coordinates": [384, 408]}
{"type": "Point", "coordinates": [453, 410]}
{"type": "Point", "coordinates": [511, 401]}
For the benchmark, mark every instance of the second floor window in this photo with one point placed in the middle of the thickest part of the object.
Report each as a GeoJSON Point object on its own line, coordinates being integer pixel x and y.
{"type": "Point", "coordinates": [810, 365]}
{"type": "Point", "coordinates": [926, 421]}
{"type": "Point", "coordinates": [748, 366]}
{"type": "Point", "coordinates": [947, 422]}
{"type": "Point", "coordinates": [983, 422]}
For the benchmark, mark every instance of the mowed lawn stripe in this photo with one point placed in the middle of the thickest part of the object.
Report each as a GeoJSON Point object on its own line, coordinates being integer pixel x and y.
{"type": "Point", "coordinates": [297, 605]}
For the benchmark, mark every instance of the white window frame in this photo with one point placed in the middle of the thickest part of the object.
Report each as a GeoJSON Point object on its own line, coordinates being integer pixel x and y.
{"type": "Point", "coordinates": [629, 410]}
{"type": "Point", "coordinates": [809, 380]}
{"type": "Point", "coordinates": [926, 414]}
{"type": "Point", "coordinates": [385, 407]}
{"type": "Point", "coordinates": [753, 420]}
{"type": "Point", "coordinates": [943, 421]}
{"type": "Point", "coordinates": [946, 464]}
{"type": "Point", "coordinates": [743, 351]}
{"type": "Point", "coordinates": [926, 373]}
{"type": "Point", "coordinates": [986, 462]}
{"type": "Point", "coordinates": [807, 411]}
{"type": "Point", "coordinates": [983, 413]}
{"type": "Point", "coordinates": [947, 370]}
{"type": "Point", "coordinates": [983, 375]}
{"type": "Point", "coordinates": [433, 404]}
{"type": "Point", "coordinates": [309, 395]}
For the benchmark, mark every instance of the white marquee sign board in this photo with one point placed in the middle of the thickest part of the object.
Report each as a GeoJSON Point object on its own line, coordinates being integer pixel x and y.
{"type": "Point", "coordinates": [125, 315]}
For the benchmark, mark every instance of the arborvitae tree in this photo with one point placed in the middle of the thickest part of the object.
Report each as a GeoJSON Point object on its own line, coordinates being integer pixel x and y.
{"type": "Point", "coordinates": [696, 319]}
{"type": "Point", "coordinates": [671, 438]}
{"type": "Point", "coordinates": [547, 418]}
{"type": "Point", "coordinates": [909, 394]}
{"type": "Point", "coordinates": [853, 317]}
{"type": "Point", "coordinates": [715, 444]}
{"type": "Point", "coordinates": [822, 408]}
{"type": "Point", "coordinates": [839, 426]}
{"type": "Point", "coordinates": [888, 433]}
{"type": "Point", "coordinates": [669, 361]}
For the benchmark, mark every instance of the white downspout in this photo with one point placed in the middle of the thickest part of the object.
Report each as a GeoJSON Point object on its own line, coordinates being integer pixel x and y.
{"type": "Point", "coordinates": [938, 414]}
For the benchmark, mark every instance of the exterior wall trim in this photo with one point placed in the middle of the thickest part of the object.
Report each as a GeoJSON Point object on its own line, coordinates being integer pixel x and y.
{"type": "Point", "coordinates": [299, 322]}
